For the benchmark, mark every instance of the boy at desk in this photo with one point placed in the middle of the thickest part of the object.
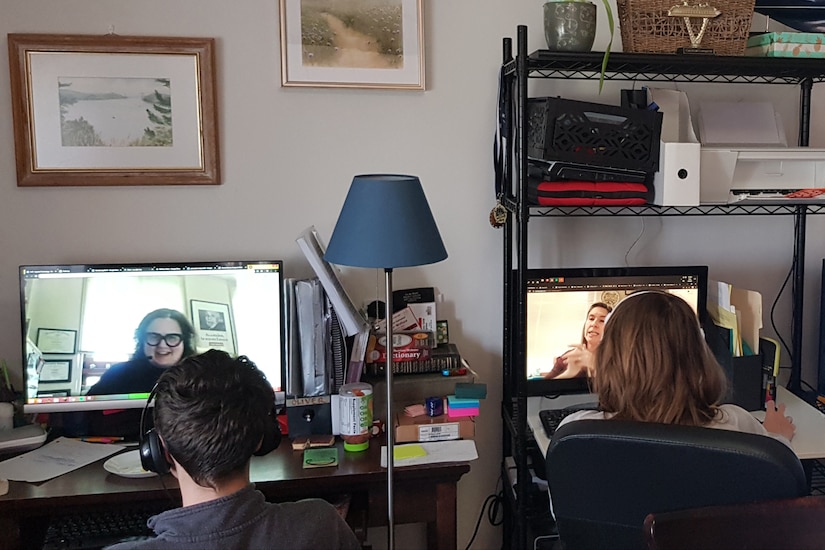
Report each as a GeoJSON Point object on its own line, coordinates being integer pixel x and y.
{"type": "Point", "coordinates": [211, 414]}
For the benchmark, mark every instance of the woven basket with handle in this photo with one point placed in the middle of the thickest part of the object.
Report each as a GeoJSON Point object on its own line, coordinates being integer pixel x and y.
{"type": "Point", "coordinates": [647, 28]}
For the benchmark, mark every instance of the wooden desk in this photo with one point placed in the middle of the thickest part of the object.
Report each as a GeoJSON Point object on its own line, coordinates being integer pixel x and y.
{"type": "Point", "coordinates": [423, 494]}
{"type": "Point", "coordinates": [808, 442]}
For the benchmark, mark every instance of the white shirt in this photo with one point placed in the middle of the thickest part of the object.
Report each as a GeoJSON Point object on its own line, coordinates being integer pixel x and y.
{"type": "Point", "coordinates": [729, 417]}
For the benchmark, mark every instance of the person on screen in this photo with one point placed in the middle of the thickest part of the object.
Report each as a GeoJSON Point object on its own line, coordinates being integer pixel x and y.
{"type": "Point", "coordinates": [578, 360]}
{"type": "Point", "coordinates": [163, 339]}
{"type": "Point", "coordinates": [653, 365]}
{"type": "Point", "coordinates": [209, 413]}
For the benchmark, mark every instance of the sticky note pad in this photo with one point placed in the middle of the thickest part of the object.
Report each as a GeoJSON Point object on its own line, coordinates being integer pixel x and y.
{"type": "Point", "coordinates": [459, 403]}
{"type": "Point", "coordinates": [465, 390]}
{"type": "Point", "coordinates": [408, 451]}
{"type": "Point", "coordinates": [320, 456]}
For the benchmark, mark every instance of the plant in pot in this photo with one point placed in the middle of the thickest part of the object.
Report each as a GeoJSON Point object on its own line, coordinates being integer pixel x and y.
{"type": "Point", "coordinates": [570, 25]}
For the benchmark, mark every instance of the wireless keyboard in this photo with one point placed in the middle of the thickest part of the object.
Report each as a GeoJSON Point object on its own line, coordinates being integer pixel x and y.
{"type": "Point", "coordinates": [551, 418]}
{"type": "Point", "coordinates": [99, 528]}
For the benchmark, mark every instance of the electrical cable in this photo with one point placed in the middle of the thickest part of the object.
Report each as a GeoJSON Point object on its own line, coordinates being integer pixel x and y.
{"type": "Point", "coordinates": [773, 310]}
{"type": "Point", "coordinates": [495, 502]}
{"type": "Point", "coordinates": [638, 238]}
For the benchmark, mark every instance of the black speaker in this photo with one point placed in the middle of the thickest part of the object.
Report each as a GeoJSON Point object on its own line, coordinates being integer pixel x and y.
{"type": "Point", "coordinates": [153, 455]}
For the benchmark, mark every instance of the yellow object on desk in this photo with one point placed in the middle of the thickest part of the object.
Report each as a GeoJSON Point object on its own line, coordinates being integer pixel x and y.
{"type": "Point", "coordinates": [408, 451]}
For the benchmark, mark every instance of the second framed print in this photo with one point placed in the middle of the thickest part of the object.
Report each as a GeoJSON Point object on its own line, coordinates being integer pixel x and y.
{"type": "Point", "coordinates": [113, 110]}
{"type": "Point", "coordinates": [352, 43]}
{"type": "Point", "coordinates": [214, 328]}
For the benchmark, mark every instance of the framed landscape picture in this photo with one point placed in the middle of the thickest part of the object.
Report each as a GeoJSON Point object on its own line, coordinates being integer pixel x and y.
{"type": "Point", "coordinates": [352, 43]}
{"type": "Point", "coordinates": [113, 110]}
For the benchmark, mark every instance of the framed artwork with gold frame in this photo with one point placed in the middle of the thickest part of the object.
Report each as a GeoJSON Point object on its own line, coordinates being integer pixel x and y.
{"type": "Point", "coordinates": [113, 110]}
{"type": "Point", "coordinates": [352, 43]}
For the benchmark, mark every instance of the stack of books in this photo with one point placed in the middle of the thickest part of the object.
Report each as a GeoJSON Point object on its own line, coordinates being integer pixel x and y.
{"type": "Point", "coordinates": [443, 358]}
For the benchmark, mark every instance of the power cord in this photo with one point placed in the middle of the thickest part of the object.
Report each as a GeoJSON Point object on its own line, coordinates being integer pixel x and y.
{"type": "Point", "coordinates": [494, 502]}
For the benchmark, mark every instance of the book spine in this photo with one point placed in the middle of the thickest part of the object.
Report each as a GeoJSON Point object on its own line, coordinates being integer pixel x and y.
{"type": "Point", "coordinates": [436, 363]}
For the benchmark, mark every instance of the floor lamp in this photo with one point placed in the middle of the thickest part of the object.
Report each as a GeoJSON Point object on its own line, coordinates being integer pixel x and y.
{"type": "Point", "coordinates": [386, 223]}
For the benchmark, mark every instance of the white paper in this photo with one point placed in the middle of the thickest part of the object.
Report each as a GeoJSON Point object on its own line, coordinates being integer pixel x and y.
{"type": "Point", "coordinates": [59, 457]}
{"type": "Point", "coordinates": [310, 244]}
{"type": "Point", "coordinates": [461, 450]}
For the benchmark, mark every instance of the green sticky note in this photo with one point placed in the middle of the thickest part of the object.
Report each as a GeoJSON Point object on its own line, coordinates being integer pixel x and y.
{"type": "Point", "coordinates": [408, 451]}
{"type": "Point", "coordinates": [320, 457]}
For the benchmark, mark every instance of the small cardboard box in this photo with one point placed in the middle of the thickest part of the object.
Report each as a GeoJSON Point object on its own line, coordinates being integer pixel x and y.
{"type": "Point", "coordinates": [410, 429]}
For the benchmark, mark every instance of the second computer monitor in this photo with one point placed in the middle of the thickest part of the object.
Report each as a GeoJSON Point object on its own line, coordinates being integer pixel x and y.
{"type": "Point", "coordinates": [566, 308]}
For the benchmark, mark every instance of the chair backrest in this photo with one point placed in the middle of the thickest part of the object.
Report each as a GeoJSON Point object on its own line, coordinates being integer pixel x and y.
{"type": "Point", "coordinates": [797, 523]}
{"type": "Point", "coordinates": [605, 476]}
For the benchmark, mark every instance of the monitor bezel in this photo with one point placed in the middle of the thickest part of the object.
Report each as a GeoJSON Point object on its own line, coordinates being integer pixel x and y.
{"type": "Point", "coordinates": [64, 407]}
{"type": "Point", "coordinates": [557, 387]}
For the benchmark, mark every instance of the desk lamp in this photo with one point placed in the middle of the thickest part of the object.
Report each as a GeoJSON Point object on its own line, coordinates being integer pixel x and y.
{"type": "Point", "coordinates": [386, 223]}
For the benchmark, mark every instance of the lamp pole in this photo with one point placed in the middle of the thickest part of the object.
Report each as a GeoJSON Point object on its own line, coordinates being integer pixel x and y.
{"type": "Point", "coordinates": [390, 422]}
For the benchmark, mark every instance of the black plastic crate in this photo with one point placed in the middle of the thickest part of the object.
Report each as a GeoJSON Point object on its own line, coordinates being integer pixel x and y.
{"type": "Point", "coordinates": [593, 134]}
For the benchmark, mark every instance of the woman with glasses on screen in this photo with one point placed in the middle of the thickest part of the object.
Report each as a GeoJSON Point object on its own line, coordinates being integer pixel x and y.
{"type": "Point", "coordinates": [163, 338]}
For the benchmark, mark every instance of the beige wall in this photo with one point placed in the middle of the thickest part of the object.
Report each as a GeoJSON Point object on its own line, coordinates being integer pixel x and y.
{"type": "Point", "coordinates": [288, 156]}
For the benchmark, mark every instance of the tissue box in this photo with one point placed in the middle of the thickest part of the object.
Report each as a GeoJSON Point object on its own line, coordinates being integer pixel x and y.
{"type": "Point", "coordinates": [787, 44]}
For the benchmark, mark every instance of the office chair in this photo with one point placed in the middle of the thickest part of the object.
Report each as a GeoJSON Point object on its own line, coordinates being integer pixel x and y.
{"type": "Point", "coordinates": [797, 523]}
{"type": "Point", "coordinates": [605, 476]}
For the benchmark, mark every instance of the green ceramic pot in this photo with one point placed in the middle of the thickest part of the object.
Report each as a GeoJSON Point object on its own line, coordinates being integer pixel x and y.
{"type": "Point", "coordinates": [570, 26]}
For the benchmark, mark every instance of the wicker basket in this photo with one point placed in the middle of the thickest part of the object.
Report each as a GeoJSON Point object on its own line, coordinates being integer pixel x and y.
{"type": "Point", "coordinates": [646, 26]}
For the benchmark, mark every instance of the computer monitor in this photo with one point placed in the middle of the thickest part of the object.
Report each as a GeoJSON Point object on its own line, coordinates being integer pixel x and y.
{"type": "Point", "coordinates": [79, 321]}
{"type": "Point", "coordinates": [559, 303]}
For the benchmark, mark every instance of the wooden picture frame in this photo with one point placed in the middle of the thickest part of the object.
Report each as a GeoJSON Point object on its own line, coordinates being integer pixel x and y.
{"type": "Point", "coordinates": [384, 46]}
{"type": "Point", "coordinates": [54, 340]}
{"type": "Point", "coordinates": [214, 326]}
{"type": "Point", "coordinates": [114, 110]}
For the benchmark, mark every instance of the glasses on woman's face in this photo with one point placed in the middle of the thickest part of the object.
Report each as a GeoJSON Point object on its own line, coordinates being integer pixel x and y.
{"type": "Point", "coordinates": [172, 339]}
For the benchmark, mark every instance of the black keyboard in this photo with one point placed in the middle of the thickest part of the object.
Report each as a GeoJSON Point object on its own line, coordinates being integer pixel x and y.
{"type": "Point", "coordinates": [551, 418]}
{"type": "Point", "coordinates": [99, 528]}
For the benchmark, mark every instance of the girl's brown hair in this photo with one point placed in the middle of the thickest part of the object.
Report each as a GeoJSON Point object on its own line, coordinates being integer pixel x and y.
{"type": "Point", "coordinates": [653, 364]}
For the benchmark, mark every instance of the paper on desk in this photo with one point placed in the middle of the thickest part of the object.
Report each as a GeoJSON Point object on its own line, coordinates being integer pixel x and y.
{"type": "Point", "coordinates": [459, 450]}
{"type": "Point", "coordinates": [59, 457]}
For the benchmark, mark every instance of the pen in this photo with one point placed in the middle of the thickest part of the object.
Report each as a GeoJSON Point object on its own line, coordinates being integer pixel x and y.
{"type": "Point", "coordinates": [101, 439]}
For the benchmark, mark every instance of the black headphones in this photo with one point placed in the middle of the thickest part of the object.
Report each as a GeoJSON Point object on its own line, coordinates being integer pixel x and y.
{"type": "Point", "coordinates": [153, 454]}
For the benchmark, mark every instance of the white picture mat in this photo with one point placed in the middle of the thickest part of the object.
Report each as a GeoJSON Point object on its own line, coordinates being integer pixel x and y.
{"type": "Point", "coordinates": [181, 69]}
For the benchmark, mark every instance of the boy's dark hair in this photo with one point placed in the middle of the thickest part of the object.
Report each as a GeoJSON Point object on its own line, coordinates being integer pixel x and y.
{"type": "Point", "coordinates": [211, 411]}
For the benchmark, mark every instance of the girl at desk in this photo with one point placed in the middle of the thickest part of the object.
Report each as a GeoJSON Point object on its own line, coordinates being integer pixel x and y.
{"type": "Point", "coordinates": [653, 365]}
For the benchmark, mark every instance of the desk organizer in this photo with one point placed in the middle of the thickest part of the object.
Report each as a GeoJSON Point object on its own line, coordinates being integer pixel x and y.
{"type": "Point", "coordinates": [586, 133]}
{"type": "Point", "coordinates": [786, 44]}
{"type": "Point", "coordinates": [646, 27]}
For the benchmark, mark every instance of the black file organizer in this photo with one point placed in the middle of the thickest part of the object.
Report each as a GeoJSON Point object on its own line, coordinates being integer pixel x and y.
{"type": "Point", "coordinates": [747, 375]}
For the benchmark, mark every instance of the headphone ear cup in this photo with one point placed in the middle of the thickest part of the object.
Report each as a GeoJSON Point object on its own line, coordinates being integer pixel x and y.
{"type": "Point", "coordinates": [152, 454]}
{"type": "Point", "coordinates": [272, 436]}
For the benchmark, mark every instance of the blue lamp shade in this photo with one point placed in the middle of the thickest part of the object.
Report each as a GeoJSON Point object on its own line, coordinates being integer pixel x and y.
{"type": "Point", "coordinates": [386, 223]}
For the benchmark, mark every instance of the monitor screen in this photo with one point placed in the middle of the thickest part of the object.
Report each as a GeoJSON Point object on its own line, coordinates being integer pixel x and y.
{"type": "Point", "coordinates": [95, 337]}
{"type": "Point", "coordinates": [567, 307]}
